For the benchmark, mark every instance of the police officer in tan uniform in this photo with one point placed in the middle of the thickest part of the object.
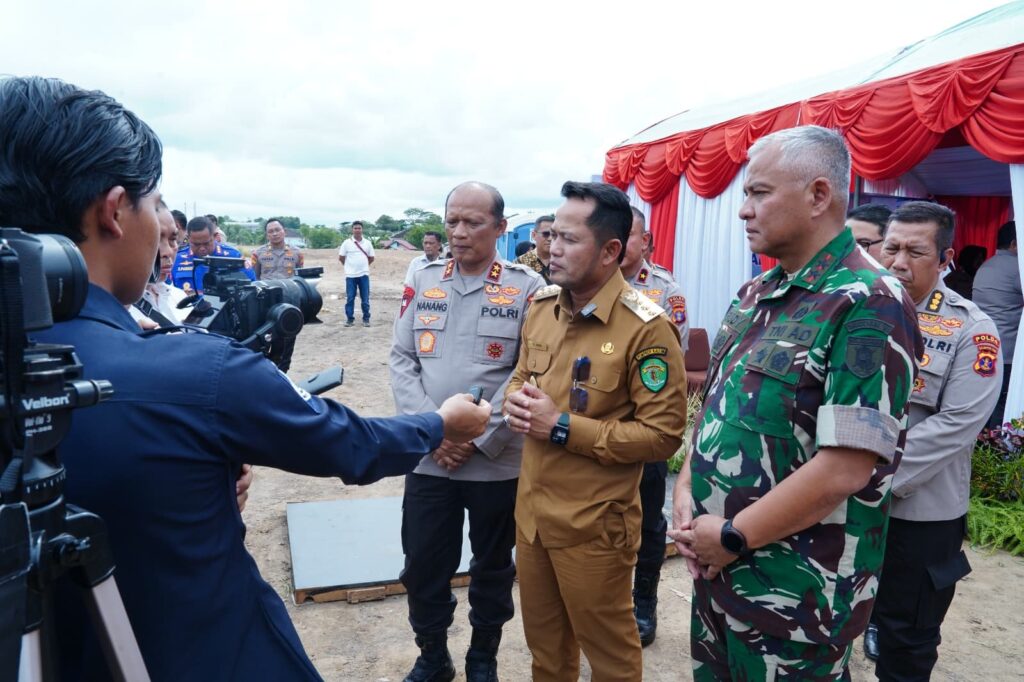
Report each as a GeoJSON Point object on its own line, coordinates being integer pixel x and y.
{"type": "Point", "coordinates": [459, 326]}
{"type": "Point", "coordinates": [598, 390]}
{"type": "Point", "coordinates": [657, 284]}
{"type": "Point", "coordinates": [956, 388]}
{"type": "Point", "coordinates": [275, 259]}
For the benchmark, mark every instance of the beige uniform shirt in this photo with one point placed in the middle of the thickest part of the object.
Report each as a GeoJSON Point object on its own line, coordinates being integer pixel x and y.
{"type": "Point", "coordinates": [658, 284]}
{"type": "Point", "coordinates": [453, 333]}
{"type": "Point", "coordinates": [636, 411]}
{"type": "Point", "coordinates": [953, 395]}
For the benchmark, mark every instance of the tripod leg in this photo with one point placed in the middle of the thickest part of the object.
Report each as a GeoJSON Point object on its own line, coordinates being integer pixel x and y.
{"type": "Point", "coordinates": [115, 632]}
{"type": "Point", "coordinates": [30, 667]}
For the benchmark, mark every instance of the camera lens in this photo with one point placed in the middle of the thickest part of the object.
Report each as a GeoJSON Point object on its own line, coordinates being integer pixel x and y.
{"type": "Point", "coordinates": [66, 276]}
{"type": "Point", "coordinates": [302, 295]}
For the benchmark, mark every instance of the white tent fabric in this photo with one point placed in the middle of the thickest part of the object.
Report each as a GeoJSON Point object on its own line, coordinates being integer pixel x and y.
{"type": "Point", "coordinates": [995, 29]}
{"type": "Point", "coordinates": [635, 200]}
{"type": "Point", "coordinates": [1015, 396]}
{"type": "Point", "coordinates": [712, 255]}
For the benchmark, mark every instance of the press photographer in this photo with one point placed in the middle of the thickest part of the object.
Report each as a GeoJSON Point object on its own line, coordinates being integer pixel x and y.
{"type": "Point", "coordinates": [157, 461]}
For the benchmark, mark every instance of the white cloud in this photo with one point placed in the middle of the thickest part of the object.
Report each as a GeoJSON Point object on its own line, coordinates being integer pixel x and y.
{"type": "Point", "coordinates": [333, 110]}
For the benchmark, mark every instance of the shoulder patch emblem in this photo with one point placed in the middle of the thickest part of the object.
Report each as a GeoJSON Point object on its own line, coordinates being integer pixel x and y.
{"type": "Point", "coordinates": [869, 323]}
{"type": "Point", "coordinates": [653, 351]}
{"type": "Point", "coordinates": [435, 293]}
{"type": "Point", "coordinates": [494, 274]}
{"type": "Point", "coordinates": [677, 307]}
{"type": "Point", "coordinates": [407, 297]}
{"type": "Point", "coordinates": [642, 276]}
{"type": "Point", "coordinates": [988, 353]}
{"type": "Point", "coordinates": [653, 373]}
{"type": "Point", "coordinates": [864, 355]}
{"type": "Point", "coordinates": [546, 292]}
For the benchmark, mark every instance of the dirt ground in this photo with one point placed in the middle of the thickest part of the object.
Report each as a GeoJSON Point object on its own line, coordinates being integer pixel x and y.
{"type": "Point", "coordinates": [983, 632]}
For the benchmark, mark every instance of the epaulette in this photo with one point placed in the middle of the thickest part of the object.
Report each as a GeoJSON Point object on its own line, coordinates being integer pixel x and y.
{"type": "Point", "coordinates": [513, 265]}
{"type": "Point", "coordinates": [642, 306]}
{"type": "Point", "coordinates": [663, 273]}
{"type": "Point", "coordinates": [546, 292]}
{"type": "Point", "coordinates": [432, 263]}
{"type": "Point", "coordinates": [664, 270]}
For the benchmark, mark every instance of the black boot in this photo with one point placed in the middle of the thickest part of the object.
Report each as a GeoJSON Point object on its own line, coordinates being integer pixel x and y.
{"type": "Point", "coordinates": [434, 664]}
{"type": "Point", "coordinates": [481, 659]}
{"type": "Point", "coordinates": [871, 642]}
{"type": "Point", "coordinates": [645, 605]}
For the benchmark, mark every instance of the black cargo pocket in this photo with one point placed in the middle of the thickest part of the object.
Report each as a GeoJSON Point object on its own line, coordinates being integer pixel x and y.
{"type": "Point", "coordinates": [938, 588]}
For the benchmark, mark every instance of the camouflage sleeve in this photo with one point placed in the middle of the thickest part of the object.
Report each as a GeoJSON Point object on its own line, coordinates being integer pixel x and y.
{"type": "Point", "coordinates": [655, 431]}
{"type": "Point", "coordinates": [868, 377]}
{"type": "Point", "coordinates": [968, 396]}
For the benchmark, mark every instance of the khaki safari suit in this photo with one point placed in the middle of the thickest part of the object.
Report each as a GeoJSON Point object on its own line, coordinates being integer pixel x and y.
{"type": "Point", "coordinates": [953, 395]}
{"type": "Point", "coordinates": [578, 507]}
{"type": "Point", "coordinates": [453, 332]}
{"type": "Point", "coordinates": [271, 263]}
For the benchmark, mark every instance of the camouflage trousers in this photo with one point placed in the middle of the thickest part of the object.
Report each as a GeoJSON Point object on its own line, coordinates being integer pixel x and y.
{"type": "Point", "coordinates": [724, 648]}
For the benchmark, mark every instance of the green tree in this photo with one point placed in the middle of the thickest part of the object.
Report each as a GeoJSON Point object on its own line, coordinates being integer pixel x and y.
{"type": "Point", "coordinates": [388, 224]}
{"type": "Point", "coordinates": [417, 216]}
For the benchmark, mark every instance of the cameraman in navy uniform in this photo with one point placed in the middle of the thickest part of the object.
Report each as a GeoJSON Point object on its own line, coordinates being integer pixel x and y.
{"type": "Point", "coordinates": [78, 163]}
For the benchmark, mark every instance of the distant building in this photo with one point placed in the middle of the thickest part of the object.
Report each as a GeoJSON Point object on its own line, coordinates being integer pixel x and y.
{"type": "Point", "coordinates": [395, 243]}
{"type": "Point", "coordinates": [294, 238]}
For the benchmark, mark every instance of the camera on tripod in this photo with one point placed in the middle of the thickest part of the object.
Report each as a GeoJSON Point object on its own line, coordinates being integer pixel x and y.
{"type": "Point", "coordinates": [43, 279]}
{"type": "Point", "coordinates": [264, 316]}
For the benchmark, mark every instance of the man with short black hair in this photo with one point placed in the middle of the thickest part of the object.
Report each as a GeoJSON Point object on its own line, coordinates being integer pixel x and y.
{"type": "Point", "coordinates": [356, 254]}
{"type": "Point", "coordinates": [599, 389]}
{"type": "Point", "coordinates": [432, 244]}
{"type": "Point", "coordinates": [276, 259]}
{"type": "Point", "coordinates": [159, 462]}
{"type": "Point", "coordinates": [539, 256]}
{"type": "Point", "coordinates": [868, 224]}
{"type": "Point", "coordinates": [953, 395]}
{"type": "Point", "coordinates": [181, 222]}
{"type": "Point", "coordinates": [997, 291]}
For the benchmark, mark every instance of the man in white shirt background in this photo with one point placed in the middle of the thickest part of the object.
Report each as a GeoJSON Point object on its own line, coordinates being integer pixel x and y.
{"type": "Point", "coordinates": [356, 254]}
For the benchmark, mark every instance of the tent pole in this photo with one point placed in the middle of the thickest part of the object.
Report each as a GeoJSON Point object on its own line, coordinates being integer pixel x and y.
{"type": "Point", "coordinates": [858, 188]}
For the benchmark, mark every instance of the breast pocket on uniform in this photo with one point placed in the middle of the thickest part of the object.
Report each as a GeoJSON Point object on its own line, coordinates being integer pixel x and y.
{"type": "Point", "coordinates": [497, 338]}
{"type": "Point", "coordinates": [605, 380]}
{"type": "Point", "coordinates": [767, 393]}
{"type": "Point", "coordinates": [928, 384]}
{"type": "Point", "coordinates": [428, 330]}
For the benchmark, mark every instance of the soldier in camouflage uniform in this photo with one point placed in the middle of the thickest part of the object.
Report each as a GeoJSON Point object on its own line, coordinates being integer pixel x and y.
{"type": "Point", "coordinates": [538, 258]}
{"type": "Point", "coordinates": [952, 398]}
{"type": "Point", "coordinates": [782, 518]}
{"type": "Point", "coordinates": [658, 285]}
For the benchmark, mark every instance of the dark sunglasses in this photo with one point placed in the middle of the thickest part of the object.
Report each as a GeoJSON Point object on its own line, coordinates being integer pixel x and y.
{"type": "Point", "coordinates": [580, 375]}
{"type": "Point", "coordinates": [546, 234]}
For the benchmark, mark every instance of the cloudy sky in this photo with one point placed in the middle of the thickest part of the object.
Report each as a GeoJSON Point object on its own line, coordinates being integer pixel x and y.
{"type": "Point", "coordinates": [334, 111]}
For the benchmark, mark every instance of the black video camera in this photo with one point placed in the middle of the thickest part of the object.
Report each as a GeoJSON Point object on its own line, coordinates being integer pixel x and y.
{"type": "Point", "coordinates": [264, 316]}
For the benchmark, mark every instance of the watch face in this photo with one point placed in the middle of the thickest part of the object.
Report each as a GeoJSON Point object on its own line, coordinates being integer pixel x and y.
{"type": "Point", "coordinates": [732, 541]}
{"type": "Point", "coordinates": [559, 435]}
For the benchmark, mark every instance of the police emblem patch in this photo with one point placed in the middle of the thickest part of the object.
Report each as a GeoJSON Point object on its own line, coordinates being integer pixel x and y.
{"type": "Point", "coordinates": [427, 319]}
{"type": "Point", "coordinates": [653, 373]}
{"type": "Point", "coordinates": [952, 322]}
{"type": "Point", "coordinates": [501, 300]}
{"type": "Point", "coordinates": [677, 307]}
{"type": "Point", "coordinates": [427, 342]}
{"type": "Point", "coordinates": [492, 289]}
{"type": "Point", "coordinates": [864, 355]}
{"type": "Point", "coordinates": [436, 292]}
{"type": "Point", "coordinates": [511, 291]}
{"type": "Point", "coordinates": [918, 385]}
{"type": "Point", "coordinates": [926, 360]}
{"type": "Point", "coordinates": [988, 354]}
{"type": "Point", "coordinates": [495, 350]}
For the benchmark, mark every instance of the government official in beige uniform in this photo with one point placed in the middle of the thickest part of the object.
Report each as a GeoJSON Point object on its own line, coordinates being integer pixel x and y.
{"type": "Point", "coordinates": [956, 388]}
{"type": "Point", "coordinates": [598, 390]}
{"type": "Point", "coordinates": [459, 326]}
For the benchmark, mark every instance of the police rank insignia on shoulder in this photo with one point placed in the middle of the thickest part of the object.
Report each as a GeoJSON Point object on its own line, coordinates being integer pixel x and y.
{"type": "Point", "coordinates": [546, 292]}
{"type": "Point", "coordinates": [640, 305]}
{"type": "Point", "coordinates": [864, 355]}
{"type": "Point", "coordinates": [934, 301]}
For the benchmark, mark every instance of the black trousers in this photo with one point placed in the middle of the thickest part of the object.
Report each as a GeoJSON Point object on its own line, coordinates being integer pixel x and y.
{"type": "Point", "coordinates": [923, 562]}
{"type": "Point", "coordinates": [651, 555]}
{"type": "Point", "coordinates": [996, 419]}
{"type": "Point", "coordinates": [432, 517]}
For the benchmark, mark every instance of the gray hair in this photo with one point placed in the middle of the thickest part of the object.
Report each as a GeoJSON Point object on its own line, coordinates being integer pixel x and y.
{"type": "Point", "coordinates": [639, 215]}
{"type": "Point", "coordinates": [812, 152]}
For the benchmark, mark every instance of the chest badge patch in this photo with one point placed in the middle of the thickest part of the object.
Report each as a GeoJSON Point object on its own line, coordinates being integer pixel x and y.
{"type": "Point", "coordinates": [952, 323]}
{"type": "Point", "coordinates": [918, 385]}
{"type": "Point", "coordinates": [427, 319]}
{"type": "Point", "coordinates": [492, 289]}
{"type": "Point", "coordinates": [511, 291]}
{"type": "Point", "coordinates": [435, 293]}
{"type": "Point", "coordinates": [427, 342]}
{"type": "Point", "coordinates": [495, 350]}
{"type": "Point", "coordinates": [653, 373]}
{"type": "Point", "coordinates": [926, 360]}
{"type": "Point", "coordinates": [501, 300]}
{"type": "Point", "coordinates": [607, 348]}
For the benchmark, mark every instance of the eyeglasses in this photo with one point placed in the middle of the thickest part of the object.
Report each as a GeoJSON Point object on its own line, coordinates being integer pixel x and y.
{"type": "Point", "coordinates": [546, 234]}
{"type": "Point", "coordinates": [578, 394]}
{"type": "Point", "coordinates": [868, 243]}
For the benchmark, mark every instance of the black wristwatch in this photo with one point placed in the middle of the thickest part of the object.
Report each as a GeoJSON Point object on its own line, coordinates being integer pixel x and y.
{"type": "Point", "coordinates": [560, 431]}
{"type": "Point", "coordinates": [733, 540]}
